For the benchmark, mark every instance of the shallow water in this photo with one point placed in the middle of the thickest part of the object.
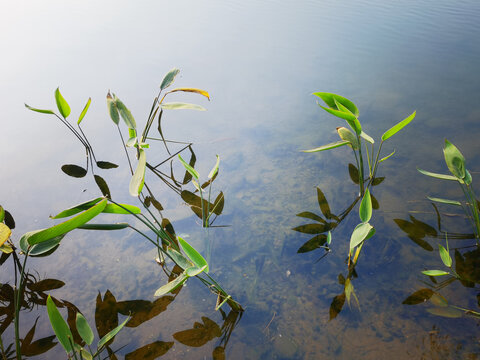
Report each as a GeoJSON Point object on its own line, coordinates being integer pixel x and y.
{"type": "Point", "coordinates": [260, 61]}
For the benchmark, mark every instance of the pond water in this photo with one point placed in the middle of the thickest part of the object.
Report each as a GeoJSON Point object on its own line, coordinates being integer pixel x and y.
{"type": "Point", "coordinates": [260, 61]}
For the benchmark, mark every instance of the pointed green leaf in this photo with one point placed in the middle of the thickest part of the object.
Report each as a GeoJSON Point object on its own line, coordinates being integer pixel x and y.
{"type": "Point", "coordinates": [112, 334]}
{"type": "Point", "coordinates": [198, 91]}
{"type": "Point", "coordinates": [330, 99]}
{"type": "Point", "coordinates": [66, 226]}
{"type": "Point", "coordinates": [365, 210]}
{"type": "Point", "coordinates": [45, 248]}
{"type": "Point", "coordinates": [361, 233]}
{"type": "Point", "coordinates": [193, 254]}
{"type": "Point", "coordinates": [329, 238]}
{"type": "Point", "coordinates": [125, 113]}
{"type": "Point", "coordinates": [181, 106]}
{"type": "Point", "coordinates": [62, 104]}
{"type": "Point", "coordinates": [77, 208]}
{"type": "Point", "coordinates": [118, 226]}
{"type": "Point", "coordinates": [172, 285]}
{"type": "Point", "coordinates": [214, 171]}
{"type": "Point", "coordinates": [367, 137]}
{"type": "Point", "coordinates": [179, 259]}
{"type": "Point", "coordinates": [387, 157]}
{"type": "Point", "coordinates": [328, 146]}
{"type": "Point", "coordinates": [112, 109]}
{"type": "Point", "coordinates": [437, 176]}
{"type": "Point", "coordinates": [468, 177]}
{"type": "Point", "coordinates": [454, 159]}
{"type": "Point", "coordinates": [2, 214]}
{"type": "Point", "coordinates": [169, 78]}
{"type": "Point", "coordinates": [445, 256]}
{"type": "Point", "coordinates": [84, 111]}
{"type": "Point", "coordinates": [444, 201]}
{"type": "Point", "coordinates": [347, 135]}
{"type": "Point", "coordinates": [194, 271]}
{"type": "Point", "coordinates": [190, 169]}
{"type": "Point", "coordinates": [39, 110]}
{"type": "Point", "coordinates": [396, 128]}
{"type": "Point", "coordinates": [84, 329]}
{"type": "Point", "coordinates": [106, 165]}
{"type": "Point", "coordinates": [59, 325]}
{"type": "Point", "coordinates": [435, 272]}
{"type": "Point", "coordinates": [349, 117]}
{"type": "Point", "coordinates": [138, 178]}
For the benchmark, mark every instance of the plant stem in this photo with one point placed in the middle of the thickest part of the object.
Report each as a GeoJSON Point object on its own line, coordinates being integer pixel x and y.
{"type": "Point", "coordinates": [17, 304]}
{"type": "Point", "coordinates": [361, 172]}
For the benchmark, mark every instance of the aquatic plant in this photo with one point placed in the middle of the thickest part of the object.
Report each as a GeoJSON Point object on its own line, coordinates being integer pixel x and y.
{"type": "Point", "coordinates": [456, 165]}
{"type": "Point", "coordinates": [343, 108]}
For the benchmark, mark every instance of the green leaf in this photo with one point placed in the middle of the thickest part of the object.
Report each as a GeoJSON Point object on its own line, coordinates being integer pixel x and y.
{"type": "Point", "coordinates": [179, 259]}
{"type": "Point", "coordinates": [169, 78]}
{"type": "Point", "coordinates": [347, 135]}
{"type": "Point", "coordinates": [349, 117]}
{"type": "Point", "coordinates": [437, 176]}
{"type": "Point", "coordinates": [214, 171]}
{"type": "Point", "coordinates": [190, 169]}
{"type": "Point", "coordinates": [435, 272]}
{"type": "Point", "coordinates": [468, 177]}
{"type": "Point", "coordinates": [328, 146]}
{"type": "Point", "coordinates": [194, 271]}
{"type": "Point", "coordinates": [448, 312]}
{"type": "Point", "coordinates": [112, 109]}
{"type": "Point", "coordinates": [111, 334]}
{"type": "Point", "coordinates": [121, 209]}
{"type": "Point", "coordinates": [125, 113]}
{"type": "Point", "coordinates": [77, 208]}
{"type": "Point", "coordinates": [329, 238]}
{"type": "Point", "coordinates": [445, 201]}
{"type": "Point", "coordinates": [445, 256]}
{"type": "Point", "coordinates": [172, 285]}
{"type": "Point", "coordinates": [118, 226]}
{"type": "Point", "coordinates": [365, 210]}
{"type": "Point", "coordinates": [367, 137]}
{"type": "Point", "coordinates": [84, 111]}
{"type": "Point", "coordinates": [84, 329]}
{"type": "Point", "coordinates": [138, 178]}
{"type": "Point", "coordinates": [332, 99]}
{"type": "Point", "coordinates": [59, 325]}
{"type": "Point", "coordinates": [454, 159]}
{"type": "Point", "coordinates": [387, 157]}
{"type": "Point", "coordinates": [193, 254]}
{"type": "Point", "coordinates": [45, 248]}
{"type": "Point", "coordinates": [361, 233]}
{"type": "Point", "coordinates": [396, 128]}
{"type": "Point", "coordinates": [39, 110]}
{"type": "Point", "coordinates": [181, 106]}
{"type": "Point", "coordinates": [62, 104]}
{"type": "Point", "coordinates": [68, 225]}
{"type": "Point", "coordinates": [2, 214]}
{"type": "Point", "coordinates": [198, 91]}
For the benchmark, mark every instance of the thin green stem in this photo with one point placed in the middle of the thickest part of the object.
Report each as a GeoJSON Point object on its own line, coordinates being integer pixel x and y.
{"type": "Point", "coordinates": [361, 171]}
{"type": "Point", "coordinates": [125, 148]}
{"type": "Point", "coordinates": [368, 160]}
{"type": "Point", "coordinates": [18, 304]}
{"type": "Point", "coordinates": [375, 166]}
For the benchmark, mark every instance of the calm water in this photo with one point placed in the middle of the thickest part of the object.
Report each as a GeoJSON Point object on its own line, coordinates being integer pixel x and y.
{"type": "Point", "coordinates": [260, 61]}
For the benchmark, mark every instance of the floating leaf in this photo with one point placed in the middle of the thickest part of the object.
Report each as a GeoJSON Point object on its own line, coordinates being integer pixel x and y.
{"type": "Point", "coordinates": [445, 256]}
{"type": "Point", "coordinates": [328, 146]}
{"type": "Point", "coordinates": [125, 113]}
{"type": "Point", "coordinates": [193, 254]}
{"type": "Point", "coordinates": [396, 128]}
{"type": "Point", "coordinates": [454, 159]}
{"type": "Point", "coordinates": [179, 259]}
{"type": "Point", "coordinates": [444, 201]}
{"type": "Point", "coordinates": [437, 176]}
{"type": "Point", "coordinates": [77, 208]}
{"type": "Point", "coordinates": [74, 170]}
{"type": "Point", "coordinates": [332, 99]}
{"type": "Point", "coordinates": [198, 91]}
{"type": "Point", "coordinates": [181, 106]}
{"type": "Point", "coordinates": [111, 334]}
{"type": "Point", "coordinates": [387, 157]}
{"type": "Point", "coordinates": [190, 169]}
{"type": "Point", "coordinates": [5, 233]}
{"type": "Point", "coordinates": [62, 104]}
{"type": "Point", "coordinates": [214, 171]}
{"type": "Point", "coordinates": [435, 272]}
{"type": "Point", "coordinates": [448, 312]}
{"type": "Point", "coordinates": [362, 232]}
{"type": "Point", "coordinates": [39, 110]}
{"type": "Point", "coordinates": [84, 111]}
{"type": "Point", "coordinates": [138, 178]}
{"type": "Point", "coordinates": [106, 165]}
{"type": "Point", "coordinates": [109, 208]}
{"type": "Point", "coordinates": [418, 297]}
{"type": "Point", "coordinates": [112, 109]}
{"type": "Point", "coordinates": [102, 185]}
{"type": "Point", "coordinates": [172, 285]}
{"type": "Point", "coordinates": [365, 210]}
{"type": "Point", "coordinates": [59, 325]}
{"type": "Point", "coordinates": [169, 78]}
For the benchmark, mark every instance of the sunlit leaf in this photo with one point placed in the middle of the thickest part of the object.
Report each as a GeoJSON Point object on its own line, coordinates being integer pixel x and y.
{"type": "Point", "coordinates": [172, 285]}
{"type": "Point", "coordinates": [331, 99]}
{"type": "Point", "coordinates": [437, 176]}
{"type": "Point", "coordinates": [84, 111]}
{"type": "Point", "coordinates": [448, 312]}
{"type": "Point", "coordinates": [365, 210]}
{"type": "Point", "coordinates": [347, 135]}
{"type": "Point", "coordinates": [194, 271]}
{"type": "Point", "coordinates": [445, 256]}
{"type": "Point", "coordinates": [84, 329]}
{"type": "Point", "coordinates": [387, 157]}
{"type": "Point", "coordinates": [181, 106]}
{"type": "Point", "coordinates": [329, 238]}
{"type": "Point", "coordinates": [349, 117]}
{"type": "Point", "coordinates": [179, 259]}
{"type": "Point", "coordinates": [5, 233]}
{"type": "Point", "coordinates": [74, 170]}
{"type": "Point", "coordinates": [112, 109]}
{"type": "Point", "coordinates": [44, 248]}
{"type": "Point", "coordinates": [198, 91]}
{"type": "Point", "coordinates": [435, 272]}
{"type": "Point", "coordinates": [111, 334]}
{"type": "Point", "coordinates": [193, 254]}
{"type": "Point", "coordinates": [444, 201]}
{"type": "Point", "coordinates": [454, 159]}
{"type": "Point", "coordinates": [328, 146]}
{"type": "Point", "coordinates": [190, 169]}
{"type": "Point", "coordinates": [169, 78]}
{"type": "Point", "coordinates": [77, 208]}
{"type": "Point", "coordinates": [102, 185]}
{"type": "Point", "coordinates": [138, 178]}
{"type": "Point", "coordinates": [214, 171]}
{"type": "Point", "coordinates": [125, 113]}
{"type": "Point", "coordinates": [59, 325]}
{"type": "Point", "coordinates": [62, 104]}
{"type": "Point", "coordinates": [361, 233]}
{"type": "Point", "coordinates": [396, 128]}
{"type": "Point", "coordinates": [438, 300]}
{"type": "Point", "coordinates": [106, 165]}
{"type": "Point", "coordinates": [39, 110]}
{"type": "Point", "coordinates": [367, 137]}
{"type": "Point", "coordinates": [418, 297]}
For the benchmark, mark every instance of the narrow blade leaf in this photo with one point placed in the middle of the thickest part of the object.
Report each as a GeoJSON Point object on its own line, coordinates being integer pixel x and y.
{"type": "Point", "coordinates": [112, 109]}
{"type": "Point", "coordinates": [214, 171]}
{"type": "Point", "coordinates": [198, 91]}
{"type": "Point", "coordinates": [84, 111]}
{"type": "Point", "coordinates": [118, 226]}
{"type": "Point", "coordinates": [328, 146]}
{"type": "Point", "coordinates": [169, 78]}
{"type": "Point", "coordinates": [332, 99]}
{"type": "Point", "coordinates": [193, 254]}
{"type": "Point", "coordinates": [387, 157]}
{"type": "Point", "coordinates": [62, 104]}
{"type": "Point", "coordinates": [182, 106]}
{"type": "Point", "coordinates": [125, 113]}
{"type": "Point", "coordinates": [454, 159]}
{"type": "Point", "coordinates": [190, 169]}
{"type": "Point", "coordinates": [396, 128]}
{"type": "Point", "coordinates": [39, 110]}
{"type": "Point", "coordinates": [437, 176]}
{"type": "Point", "coordinates": [444, 201]}
{"type": "Point", "coordinates": [435, 272]}
{"type": "Point", "coordinates": [172, 285]}
{"type": "Point", "coordinates": [112, 334]}
{"type": "Point", "coordinates": [138, 178]}
{"type": "Point", "coordinates": [445, 256]}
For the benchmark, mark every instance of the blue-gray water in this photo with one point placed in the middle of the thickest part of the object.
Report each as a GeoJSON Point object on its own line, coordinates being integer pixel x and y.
{"type": "Point", "coordinates": [260, 62]}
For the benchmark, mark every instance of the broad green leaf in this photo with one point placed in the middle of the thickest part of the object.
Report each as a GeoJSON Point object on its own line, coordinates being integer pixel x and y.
{"type": "Point", "coordinates": [435, 272]}
{"type": "Point", "coordinates": [138, 178]}
{"type": "Point", "coordinates": [445, 201]}
{"type": "Point", "coordinates": [365, 210]}
{"type": "Point", "coordinates": [172, 285]}
{"type": "Point", "coordinates": [396, 128]}
{"type": "Point", "coordinates": [121, 209]}
{"type": "Point", "coordinates": [190, 169]}
{"type": "Point", "coordinates": [347, 135]}
{"type": "Point", "coordinates": [74, 170]}
{"type": "Point", "coordinates": [179, 259]}
{"type": "Point", "coordinates": [214, 171]}
{"type": "Point", "coordinates": [112, 109]}
{"type": "Point", "coordinates": [77, 208]}
{"type": "Point", "coordinates": [448, 312]}
{"type": "Point", "coordinates": [330, 99]}
{"type": "Point", "coordinates": [59, 325]}
{"type": "Point", "coordinates": [132, 133]}
{"type": "Point", "coordinates": [68, 225]}
{"type": "Point", "coordinates": [387, 157]}
{"type": "Point", "coordinates": [437, 176]}
{"type": "Point", "coordinates": [125, 113]}
{"type": "Point", "coordinates": [193, 254]}
{"type": "Point", "coordinates": [5, 233]}
{"type": "Point", "coordinates": [106, 165]}
{"type": "Point", "coordinates": [169, 78]}
{"type": "Point", "coordinates": [194, 271]}
{"type": "Point", "coordinates": [62, 104]}
{"type": "Point", "coordinates": [198, 91]}
{"type": "Point", "coordinates": [367, 137]}
{"type": "Point", "coordinates": [44, 248]}
{"type": "Point", "coordinates": [118, 226]}
{"type": "Point", "coordinates": [445, 256]}
{"type": "Point", "coordinates": [84, 111]}
{"type": "Point", "coordinates": [84, 329]}
{"type": "Point", "coordinates": [39, 110]}
{"type": "Point", "coordinates": [418, 297]}
{"type": "Point", "coordinates": [181, 106]}
{"type": "Point", "coordinates": [328, 146]}
{"type": "Point", "coordinates": [454, 159]}
{"type": "Point", "coordinates": [351, 119]}
{"type": "Point", "coordinates": [361, 233]}
{"type": "Point", "coordinates": [111, 334]}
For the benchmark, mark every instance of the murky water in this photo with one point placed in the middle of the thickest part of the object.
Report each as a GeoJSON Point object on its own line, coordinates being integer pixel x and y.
{"type": "Point", "coordinates": [260, 62]}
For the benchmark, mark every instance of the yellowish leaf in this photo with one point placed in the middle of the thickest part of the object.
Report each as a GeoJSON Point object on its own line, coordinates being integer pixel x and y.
{"type": "Point", "coordinates": [198, 91]}
{"type": "Point", "coordinates": [5, 233]}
